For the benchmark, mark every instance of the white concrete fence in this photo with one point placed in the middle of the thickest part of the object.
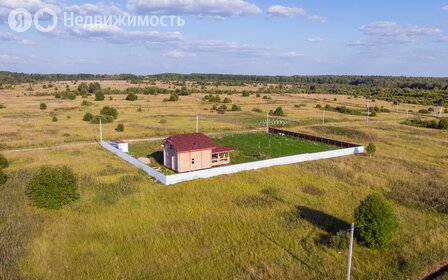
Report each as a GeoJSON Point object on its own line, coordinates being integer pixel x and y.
{"type": "Point", "coordinates": [229, 169]}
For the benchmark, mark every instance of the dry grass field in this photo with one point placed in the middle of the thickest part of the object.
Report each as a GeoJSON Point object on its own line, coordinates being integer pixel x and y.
{"type": "Point", "coordinates": [272, 223]}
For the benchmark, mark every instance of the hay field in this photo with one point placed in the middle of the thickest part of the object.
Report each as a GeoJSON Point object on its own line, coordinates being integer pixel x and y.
{"type": "Point", "coordinates": [271, 223]}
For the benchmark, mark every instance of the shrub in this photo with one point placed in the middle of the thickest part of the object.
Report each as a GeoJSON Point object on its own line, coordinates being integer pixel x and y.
{"type": "Point", "coordinates": [3, 162]}
{"type": "Point", "coordinates": [2, 177]}
{"type": "Point", "coordinates": [131, 97]}
{"type": "Point", "coordinates": [222, 108]}
{"type": "Point", "coordinates": [54, 119]}
{"type": "Point", "coordinates": [86, 103]}
{"type": "Point", "coordinates": [109, 111]}
{"type": "Point", "coordinates": [279, 112]}
{"type": "Point", "coordinates": [227, 100]}
{"type": "Point", "coordinates": [371, 149]}
{"type": "Point", "coordinates": [236, 108]}
{"type": "Point", "coordinates": [87, 117]}
{"type": "Point", "coordinates": [318, 106]}
{"type": "Point", "coordinates": [103, 118]}
{"type": "Point", "coordinates": [423, 111]}
{"type": "Point", "coordinates": [57, 96]}
{"type": "Point", "coordinates": [443, 123]}
{"type": "Point", "coordinates": [53, 187]}
{"type": "Point", "coordinates": [246, 93]}
{"type": "Point", "coordinates": [173, 97]}
{"type": "Point", "coordinates": [99, 96]}
{"type": "Point", "coordinates": [340, 240]}
{"type": "Point", "coordinates": [258, 110]}
{"type": "Point", "coordinates": [43, 106]}
{"type": "Point", "coordinates": [375, 221]}
{"type": "Point", "coordinates": [94, 87]}
{"type": "Point", "coordinates": [71, 96]}
{"type": "Point", "coordinates": [120, 127]}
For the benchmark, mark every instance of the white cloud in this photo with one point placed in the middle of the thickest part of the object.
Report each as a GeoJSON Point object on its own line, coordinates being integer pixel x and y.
{"type": "Point", "coordinates": [177, 54]}
{"type": "Point", "coordinates": [6, 6]}
{"type": "Point", "coordinates": [7, 58]}
{"type": "Point", "coordinates": [317, 18]}
{"type": "Point", "coordinates": [292, 54]}
{"type": "Point", "coordinates": [389, 33]}
{"type": "Point", "coordinates": [283, 11]}
{"type": "Point", "coordinates": [8, 37]}
{"type": "Point", "coordinates": [315, 40]}
{"type": "Point", "coordinates": [213, 8]}
{"type": "Point", "coordinates": [445, 8]}
{"type": "Point", "coordinates": [95, 9]}
{"type": "Point", "coordinates": [114, 34]}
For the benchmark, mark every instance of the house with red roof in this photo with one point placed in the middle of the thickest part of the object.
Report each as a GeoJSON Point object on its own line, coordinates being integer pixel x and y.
{"type": "Point", "coordinates": [193, 151]}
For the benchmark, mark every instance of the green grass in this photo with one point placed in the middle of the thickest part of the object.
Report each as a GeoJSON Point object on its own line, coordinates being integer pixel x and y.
{"type": "Point", "coordinates": [259, 146]}
{"type": "Point", "coordinates": [247, 147]}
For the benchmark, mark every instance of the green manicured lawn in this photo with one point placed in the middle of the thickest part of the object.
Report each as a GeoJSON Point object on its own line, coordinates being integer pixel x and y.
{"type": "Point", "coordinates": [247, 147]}
{"type": "Point", "coordinates": [259, 146]}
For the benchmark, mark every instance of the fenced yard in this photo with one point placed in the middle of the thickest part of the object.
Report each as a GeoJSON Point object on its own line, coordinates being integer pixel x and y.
{"type": "Point", "coordinates": [252, 151]}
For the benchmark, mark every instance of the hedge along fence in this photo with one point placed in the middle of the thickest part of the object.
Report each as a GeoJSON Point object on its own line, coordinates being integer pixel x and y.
{"type": "Point", "coordinates": [229, 169]}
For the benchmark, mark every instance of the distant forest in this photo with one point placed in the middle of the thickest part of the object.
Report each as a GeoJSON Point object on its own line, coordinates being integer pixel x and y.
{"type": "Point", "coordinates": [416, 90]}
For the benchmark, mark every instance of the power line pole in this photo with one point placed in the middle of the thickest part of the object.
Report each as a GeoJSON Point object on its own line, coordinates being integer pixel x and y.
{"type": "Point", "coordinates": [267, 122]}
{"type": "Point", "coordinates": [323, 117]}
{"type": "Point", "coordinates": [350, 251]}
{"type": "Point", "coordinates": [368, 112]}
{"type": "Point", "coordinates": [101, 132]}
{"type": "Point", "coordinates": [197, 122]}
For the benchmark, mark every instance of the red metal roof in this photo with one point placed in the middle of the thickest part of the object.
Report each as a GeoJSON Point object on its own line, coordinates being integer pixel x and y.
{"type": "Point", "coordinates": [190, 142]}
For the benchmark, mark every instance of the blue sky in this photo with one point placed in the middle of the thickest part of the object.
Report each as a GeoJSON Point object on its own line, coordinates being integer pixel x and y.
{"type": "Point", "coordinates": [235, 36]}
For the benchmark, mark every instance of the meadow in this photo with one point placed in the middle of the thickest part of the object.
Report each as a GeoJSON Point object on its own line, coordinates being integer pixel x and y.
{"type": "Point", "coordinates": [273, 223]}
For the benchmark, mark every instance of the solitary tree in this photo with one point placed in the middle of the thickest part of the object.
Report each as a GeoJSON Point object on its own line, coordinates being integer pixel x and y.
{"type": "Point", "coordinates": [279, 112]}
{"type": "Point", "coordinates": [371, 149]}
{"type": "Point", "coordinates": [43, 106]}
{"type": "Point", "coordinates": [375, 221]}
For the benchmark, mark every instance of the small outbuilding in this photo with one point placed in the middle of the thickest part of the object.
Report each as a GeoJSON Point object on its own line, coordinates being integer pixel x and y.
{"type": "Point", "coordinates": [193, 151]}
{"type": "Point", "coordinates": [121, 145]}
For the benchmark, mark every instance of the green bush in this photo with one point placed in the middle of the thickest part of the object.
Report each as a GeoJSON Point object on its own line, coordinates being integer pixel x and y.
{"type": "Point", "coordinates": [86, 103]}
{"type": "Point", "coordinates": [375, 222]}
{"type": "Point", "coordinates": [131, 97]}
{"type": "Point", "coordinates": [109, 111]}
{"type": "Point", "coordinates": [258, 110]}
{"type": "Point", "coordinates": [236, 108]}
{"type": "Point", "coordinates": [120, 127]}
{"type": "Point", "coordinates": [87, 117]}
{"type": "Point", "coordinates": [371, 149]}
{"type": "Point", "coordinates": [246, 93]}
{"type": "Point", "coordinates": [71, 96]}
{"type": "Point", "coordinates": [2, 177]}
{"type": "Point", "coordinates": [99, 96]}
{"type": "Point", "coordinates": [173, 98]}
{"type": "Point", "coordinates": [227, 100]}
{"type": "Point", "coordinates": [54, 119]}
{"type": "Point", "coordinates": [3, 162]}
{"type": "Point", "coordinates": [43, 106]}
{"type": "Point", "coordinates": [279, 112]}
{"type": "Point", "coordinates": [103, 118]}
{"type": "Point", "coordinates": [52, 187]}
{"type": "Point", "coordinates": [443, 123]}
{"type": "Point", "coordinates": [340, 240]}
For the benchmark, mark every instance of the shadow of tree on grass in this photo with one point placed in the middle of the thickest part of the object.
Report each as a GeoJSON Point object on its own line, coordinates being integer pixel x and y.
{"type": "Point", "coordinates": [322, 220]}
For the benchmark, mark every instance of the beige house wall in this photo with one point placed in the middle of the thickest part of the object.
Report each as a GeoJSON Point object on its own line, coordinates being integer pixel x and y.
{"type": "Point", "coordinates": [192, 161]}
